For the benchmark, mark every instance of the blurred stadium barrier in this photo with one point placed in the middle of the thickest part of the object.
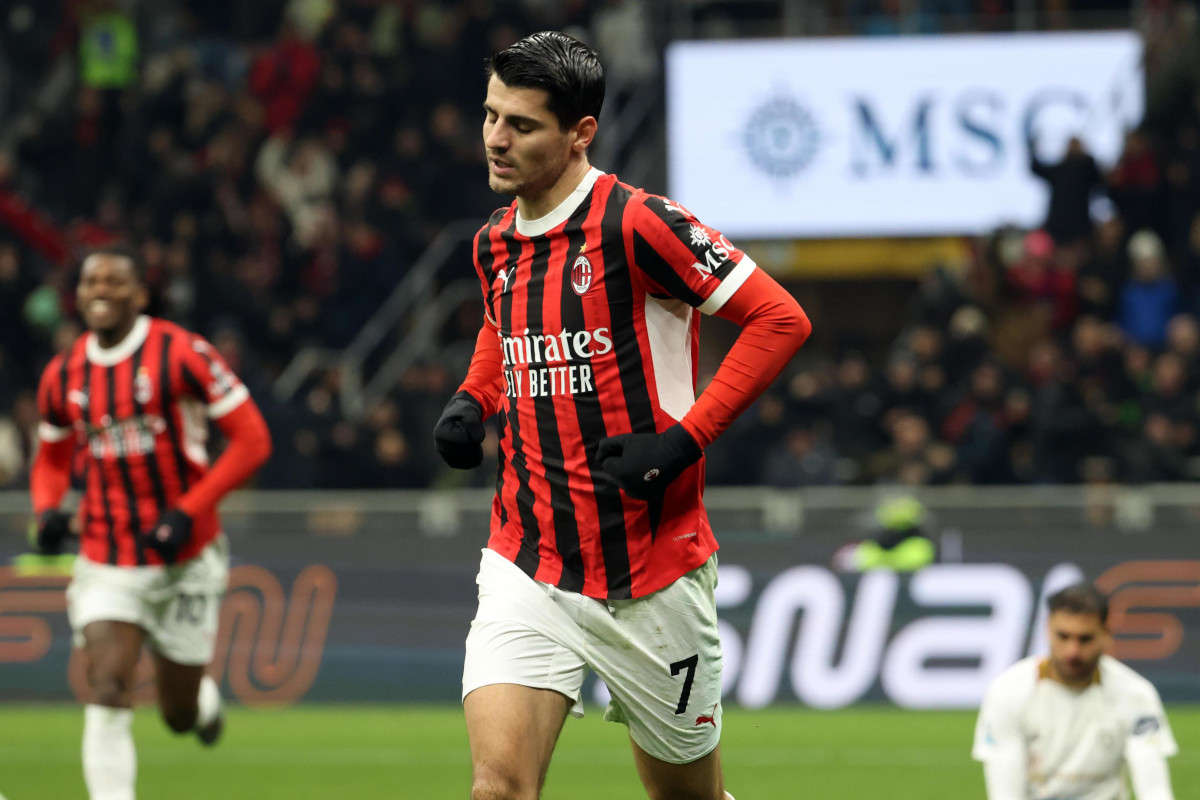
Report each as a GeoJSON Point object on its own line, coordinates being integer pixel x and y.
{"type": "Point", "coordinates": [367, 596]}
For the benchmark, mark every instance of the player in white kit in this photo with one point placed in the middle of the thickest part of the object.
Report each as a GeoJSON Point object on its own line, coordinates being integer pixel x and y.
{"type": "Point", "coordinates": [1078, 724]}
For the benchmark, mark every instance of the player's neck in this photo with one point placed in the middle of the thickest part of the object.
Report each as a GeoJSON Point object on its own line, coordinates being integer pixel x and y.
{"type": "Point", "coordinates": [111, 338]}
{"type": "Point", "coordinates": [1078, 684]}
{"type": "Point", "coordinates": [533, 208]}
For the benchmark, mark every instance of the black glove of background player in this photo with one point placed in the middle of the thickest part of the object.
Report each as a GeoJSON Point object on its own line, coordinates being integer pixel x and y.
{"type": "Point", "coordinates": [53, 528]}
{"type": "Point", "coordinates": [459, 433]}
{"type": "Point", "coordinates": [170, 534]}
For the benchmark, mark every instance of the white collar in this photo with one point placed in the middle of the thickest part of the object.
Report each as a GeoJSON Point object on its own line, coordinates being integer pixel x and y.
{"type": "Point", "coordinates": [111, 356]}
{"type": "Point", "coordinates": [541, 225]}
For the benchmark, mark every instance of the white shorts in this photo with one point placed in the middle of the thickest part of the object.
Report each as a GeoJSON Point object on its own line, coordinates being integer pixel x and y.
{"type": "Point", "coordinates": [177, 606]}
{"type": "Point", "coordinates": [659, 655]}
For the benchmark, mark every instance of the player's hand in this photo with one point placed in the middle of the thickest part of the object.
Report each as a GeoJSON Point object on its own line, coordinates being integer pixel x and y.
{"type": "Point", "coordinates": [169, 535]}
{"type": "Point", "coordinates": [644, 464]}
{"type": "Point", "coordinates": [459, 432]}
{"type": "Point", "coordinates": [53, 528]}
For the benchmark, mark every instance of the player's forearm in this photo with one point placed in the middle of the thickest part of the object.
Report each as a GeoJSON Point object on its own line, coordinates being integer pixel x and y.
{"type": "Point", "coordinates": [1150, 776]}
{"type": "Point", "coordinates": [773, 328]}
{"type": "Point", "coordinates": [249, 448]}
{"type": "Point", "coordinates": [1005, 779]}
{"type": "Point", "coordinates": [50, 476]}
{"type": "Point", "coordinates": [485, 376]}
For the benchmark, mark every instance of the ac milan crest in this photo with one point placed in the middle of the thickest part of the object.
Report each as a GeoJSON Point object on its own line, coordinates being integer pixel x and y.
{"type": "Point", "coordinates": [143, 389]}
{"type": "Point", "coordinates": [581, 275]}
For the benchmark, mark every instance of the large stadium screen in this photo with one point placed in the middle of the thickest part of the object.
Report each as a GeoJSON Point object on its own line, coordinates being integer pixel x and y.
{"type": "Point", "coordinates": [911, 136]}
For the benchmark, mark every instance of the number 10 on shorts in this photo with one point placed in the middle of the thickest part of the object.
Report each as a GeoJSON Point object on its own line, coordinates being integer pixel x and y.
{"type": "Point", "coordinates": [189, 608]}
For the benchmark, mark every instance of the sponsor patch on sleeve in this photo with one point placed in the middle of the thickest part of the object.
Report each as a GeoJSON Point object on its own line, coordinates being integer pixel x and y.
{"type": "Point", "coordinates": [1145, 726]}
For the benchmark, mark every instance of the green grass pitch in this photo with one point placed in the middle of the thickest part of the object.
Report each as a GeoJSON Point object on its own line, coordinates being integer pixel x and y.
{"type": "Point", "coordinates": [420, 753]}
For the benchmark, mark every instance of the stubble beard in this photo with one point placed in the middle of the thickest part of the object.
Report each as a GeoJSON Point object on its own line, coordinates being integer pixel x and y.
{"type": "Point", "coordinates": [1076, 672]}
{"type": "Point", "coordinates": [503, 186]}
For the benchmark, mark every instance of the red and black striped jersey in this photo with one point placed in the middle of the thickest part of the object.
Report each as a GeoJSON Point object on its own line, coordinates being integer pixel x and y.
{"type": "Point", "coordinates": [139, 412]}
{"type": "Point", "coordinates": [594, 306]}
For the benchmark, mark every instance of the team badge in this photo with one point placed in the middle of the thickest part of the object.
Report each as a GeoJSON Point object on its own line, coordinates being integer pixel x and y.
{"type": "Point", "coordinates": [143, 388]}
{"type": "Point", "coordinates": [581, 275]}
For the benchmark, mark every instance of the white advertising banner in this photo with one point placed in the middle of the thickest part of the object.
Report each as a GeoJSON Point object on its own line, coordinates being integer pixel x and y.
{"type": "Point", "coordinates": [906, 136]}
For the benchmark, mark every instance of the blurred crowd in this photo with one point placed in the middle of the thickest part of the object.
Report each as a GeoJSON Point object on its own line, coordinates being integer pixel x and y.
{"type": "Point", "coordinates": [282, 164]}
{"type": "Point", "coordinates": [1066, 354]}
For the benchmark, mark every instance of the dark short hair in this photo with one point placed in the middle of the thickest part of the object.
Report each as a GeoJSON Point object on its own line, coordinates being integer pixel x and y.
{"type": "Point", "coordinates": [563, 67]}
{"type": "Point", "coordinates": [1080, 598]}
{"type": "Point", "coordinates": [119, 249]}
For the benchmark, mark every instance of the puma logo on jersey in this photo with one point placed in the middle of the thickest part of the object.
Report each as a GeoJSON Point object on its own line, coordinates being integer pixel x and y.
{"type": "Point", "coordinates": [505, 275]}
{"type": "Point", "coordinates": [708, 719]}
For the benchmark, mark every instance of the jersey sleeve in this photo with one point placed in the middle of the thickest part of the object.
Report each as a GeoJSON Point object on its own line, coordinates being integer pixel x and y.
{"type": "Point", "coordinates": [207, 377]}
{"type": "Point", "coordinates": [54, 425]}
{"type": "Point", "coordinates": [1000, 744]}
{"type": "Point", "coordinates": [679, 256]}
{"type": "Point", "coordinates": [483, 255]}
{"type": "Point", "coordinates": [998, 735]}
{"type": "Point", "coordinates": [1149, 731]}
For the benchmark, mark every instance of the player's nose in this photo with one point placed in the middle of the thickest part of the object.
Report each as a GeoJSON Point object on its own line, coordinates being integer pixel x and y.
{"type": "Point", "coordinates": [496, 140]}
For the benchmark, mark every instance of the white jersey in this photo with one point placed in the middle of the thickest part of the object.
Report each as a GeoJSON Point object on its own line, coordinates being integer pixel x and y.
{"type": "Point", "coordinates": [1075, 743]}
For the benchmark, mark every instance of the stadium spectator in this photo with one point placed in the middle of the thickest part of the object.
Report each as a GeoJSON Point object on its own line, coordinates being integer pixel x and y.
{"type": "Point", "coordinates": [1044, 281]}
{"type": "Point", "coordinates": [1183, 339]}
{"type": "Point", "coordinates": [283, 77]}
{"type": "Point", "coordinates": [977, 427]}
{"type": "Point", "coordinates": [913, 457]}
{"type": "Point", "coordinates": [18, 439]}
{"type": "Point", "coordinates": [1149, 298]}
{"type": "Point", "coordinates": [1135, 184]}
{"type": "Point", "coordinates": [805, 457]}
{"type": "Point", "coordinates": [1072, 183]}
{"type": "Point", "coordinates": [855, 404]}
{"type": "Point", "coordinates": [1068, 427]}
{"type": "Point", "coordinates": [1104, 270]}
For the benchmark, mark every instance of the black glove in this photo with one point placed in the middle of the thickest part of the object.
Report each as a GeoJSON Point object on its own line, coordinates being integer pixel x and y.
{"type": "Point", "coordinates": [644, 464]}
{"type": "Point", "coordinates": [459, 433]}
{"type": "Point", "coordinates": [53, 528]}
{"type": "Point", "coordinates": [169, 535]}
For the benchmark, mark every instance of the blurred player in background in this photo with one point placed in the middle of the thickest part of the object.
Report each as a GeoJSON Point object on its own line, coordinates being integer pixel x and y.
{"type": "Point", "coordinates": [901, 542]}
{"type": "Point", "coordinates": [1077, 723]}
{"type": "Point", "coordinates": [135, 393]}
{"type": "Point", "coordinates": [601, 554]}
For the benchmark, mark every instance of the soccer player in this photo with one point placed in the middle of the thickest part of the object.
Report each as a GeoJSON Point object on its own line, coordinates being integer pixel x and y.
{"type": "Point", "coordinates": [133, 393]}
{"type": "Point", "coordinates": [600, 552]}
{"type": "Point", "coordinates": [1074, 724]}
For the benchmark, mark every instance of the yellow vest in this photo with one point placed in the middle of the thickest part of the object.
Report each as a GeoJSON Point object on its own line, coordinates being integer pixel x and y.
{"type": "Point", "coordinates": [108, 52]}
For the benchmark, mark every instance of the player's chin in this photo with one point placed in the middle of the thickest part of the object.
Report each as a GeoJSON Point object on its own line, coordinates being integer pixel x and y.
{"type": "Point", "coordinates": [102, 324]}
{"type": "Point", "coordinates": [503, 185]}
{"type": "Point", "coordinates": [1076, 670]}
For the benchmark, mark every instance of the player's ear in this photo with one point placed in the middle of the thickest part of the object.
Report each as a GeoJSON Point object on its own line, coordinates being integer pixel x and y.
{"type": "Point", "coordinates": [142, 298]}
{"type": "Point", "coordinates": [585, 132]}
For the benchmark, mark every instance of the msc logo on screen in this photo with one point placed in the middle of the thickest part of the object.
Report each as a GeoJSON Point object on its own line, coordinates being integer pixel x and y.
{"type": "Point", "coordinates": [973, 133]}
{"type": "Point", "coordinates": [781, 137]}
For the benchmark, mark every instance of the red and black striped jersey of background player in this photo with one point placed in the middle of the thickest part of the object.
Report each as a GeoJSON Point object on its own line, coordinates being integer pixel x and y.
{"type": "Point", "coordinates": [594, 309]}
{"type": "Point", "coordinates": [139, 412]}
